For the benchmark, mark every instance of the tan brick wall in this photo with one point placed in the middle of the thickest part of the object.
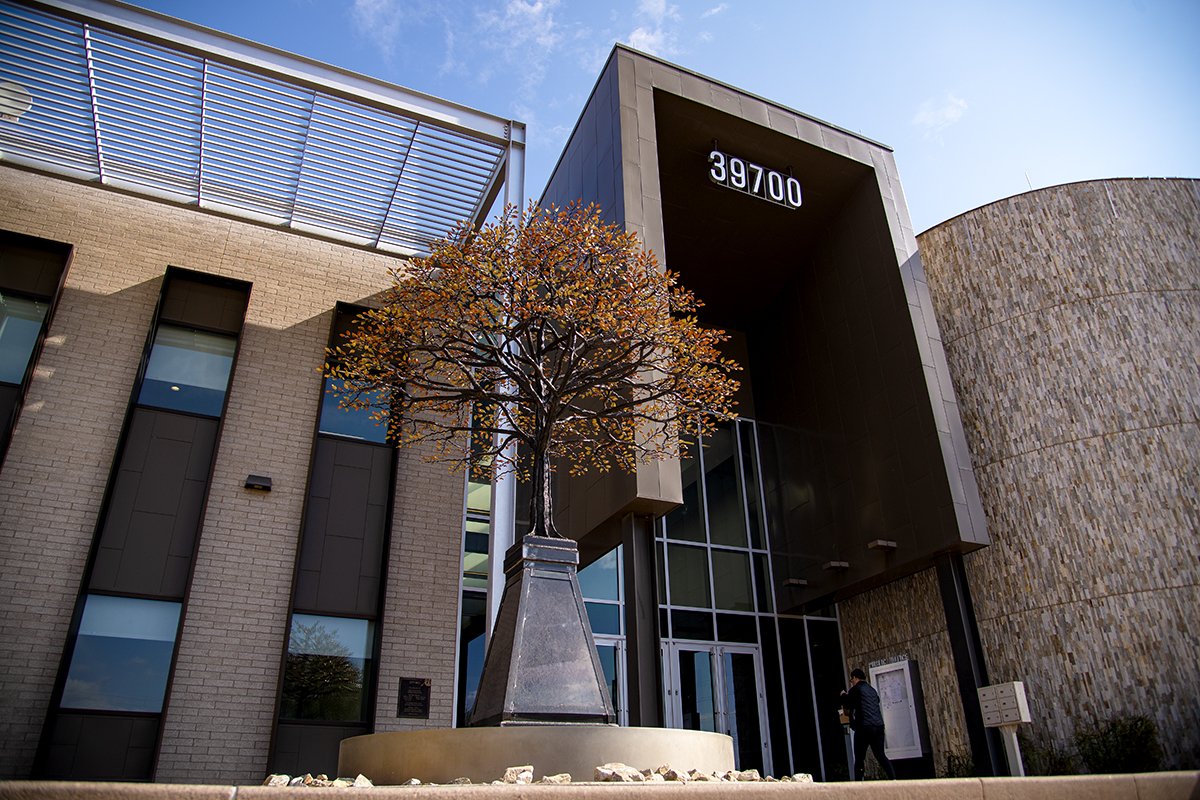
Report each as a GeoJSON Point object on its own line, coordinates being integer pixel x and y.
{"type": "Point", "coordinates": [222, 702]}
{"type": "Point", "coordinates": [1071, 318]}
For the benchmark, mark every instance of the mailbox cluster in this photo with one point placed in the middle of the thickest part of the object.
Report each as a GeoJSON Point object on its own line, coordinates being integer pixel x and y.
{"type": "Point", "coordinates": [1003, 704]}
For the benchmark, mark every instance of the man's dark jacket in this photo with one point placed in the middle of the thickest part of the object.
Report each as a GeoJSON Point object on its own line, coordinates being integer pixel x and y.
{"type": "Point", "coordinates": [862, 704]}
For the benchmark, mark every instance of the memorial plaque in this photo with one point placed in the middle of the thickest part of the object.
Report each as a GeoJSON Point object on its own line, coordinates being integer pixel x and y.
{"type": "Point", "coordinates": [414, 698]}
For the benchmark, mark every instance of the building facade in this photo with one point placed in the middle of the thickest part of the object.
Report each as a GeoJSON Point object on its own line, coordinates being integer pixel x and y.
{"type": "Point", "coordinates": [212, 572]}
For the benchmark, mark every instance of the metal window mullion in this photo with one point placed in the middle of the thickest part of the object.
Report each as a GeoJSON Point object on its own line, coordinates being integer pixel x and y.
{"type": "Point", "coordinates": [87, 57]}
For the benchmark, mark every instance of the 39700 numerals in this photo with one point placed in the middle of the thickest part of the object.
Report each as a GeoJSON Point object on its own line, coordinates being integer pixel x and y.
{"type": "Point", "coordinates": [746, 176]}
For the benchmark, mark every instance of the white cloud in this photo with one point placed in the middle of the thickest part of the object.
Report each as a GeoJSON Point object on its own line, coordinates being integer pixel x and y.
{"type": "Point", "coordinates": [379, 21]}
{"type": "Point", "coordinates": [654, 35]}
{"type": "Point", "coordinates": [712, 12]}
{"type": "Point", "coordinates": [934, 116]}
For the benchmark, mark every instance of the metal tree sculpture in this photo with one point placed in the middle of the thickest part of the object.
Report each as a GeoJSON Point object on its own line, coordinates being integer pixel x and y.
{"type": "Point", "coordinates": [548, 329]}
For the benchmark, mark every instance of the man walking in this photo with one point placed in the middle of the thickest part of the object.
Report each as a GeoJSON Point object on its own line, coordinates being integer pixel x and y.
{"type": "Point", "coordinates": [866, 720]}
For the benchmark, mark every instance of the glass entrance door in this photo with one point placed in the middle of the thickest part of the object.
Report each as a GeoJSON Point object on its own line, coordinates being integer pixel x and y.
{"type": "Point", "coordinates": [719, 688]}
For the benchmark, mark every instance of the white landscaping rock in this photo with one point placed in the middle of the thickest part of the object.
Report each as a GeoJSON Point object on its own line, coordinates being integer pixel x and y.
{"type": "Point", "coordinates": [562, 777]}
{"type": "Point", "coordinates": [519, 774]}
{"type": "Point", "coordinates": [616, 772]}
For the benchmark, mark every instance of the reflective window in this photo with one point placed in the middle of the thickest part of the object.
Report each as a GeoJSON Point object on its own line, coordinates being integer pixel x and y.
{"type": "Point", "coordinates": [353, 423]}
{"type": "Point", "coordinates": [608, 663]}
{"type": "Point", "coordinates": [731, 581]}
{"type": "Point", "coordinates": [605, 618]}
{"type": "Point", "coordinates": [750, 481]}
{"type": "Point", "coordinates": [600, 580]}
{"type": "Point", "coordinates": [687, 521]}
{"type": "Point", "coordinates": [328, 669]}
{"type": "Point", "coordinates": [475, 554]}
{"type": "Point", "coordinates": [20, 323]}
{"type": "Point", "coordinates": [472, 646]}
{"type": "Point", "coordinates": [688, 575]}
{"type": "Point", "coordinates": [188, 370]}
{"type": "Point", "coordinates": [722, 485]}
{"type": "Point", "coordinates": [122, 655]}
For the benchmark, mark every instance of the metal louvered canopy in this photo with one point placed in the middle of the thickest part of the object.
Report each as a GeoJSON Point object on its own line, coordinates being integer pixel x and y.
{"type": "Point", "coordinates": [106, 92]}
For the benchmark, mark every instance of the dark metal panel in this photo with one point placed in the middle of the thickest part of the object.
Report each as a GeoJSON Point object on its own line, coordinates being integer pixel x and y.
{"type": "Point", "coordinates": [203, 304]}
{"type": "Point", "coordinates": [342, 543]}
{"type": "Point", "coordinates": [113, 747]}
{"type": "Point", "coordinates": [150, 528]}
{"type": "Point", "coordinates": [312, 748]}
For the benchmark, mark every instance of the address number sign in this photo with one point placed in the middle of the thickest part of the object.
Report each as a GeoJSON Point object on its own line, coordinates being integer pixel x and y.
{"type": "Point", "coordinates": [746, 176]}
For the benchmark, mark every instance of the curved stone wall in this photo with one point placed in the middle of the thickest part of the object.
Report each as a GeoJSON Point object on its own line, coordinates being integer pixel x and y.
{"type": "Point", "coordinates": [1071, 321]}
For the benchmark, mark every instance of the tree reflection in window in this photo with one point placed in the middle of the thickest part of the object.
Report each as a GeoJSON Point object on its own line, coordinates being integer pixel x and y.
{"type": "Point", "coordinates": [328, 669]}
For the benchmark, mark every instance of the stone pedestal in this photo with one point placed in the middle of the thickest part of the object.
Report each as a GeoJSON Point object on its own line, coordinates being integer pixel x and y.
{"type": "Point", "coordinates": [541, 665]}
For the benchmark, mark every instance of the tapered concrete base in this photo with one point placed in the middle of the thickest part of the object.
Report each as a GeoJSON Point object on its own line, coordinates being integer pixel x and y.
{"type": "Point", "coordinates": [439, 755]}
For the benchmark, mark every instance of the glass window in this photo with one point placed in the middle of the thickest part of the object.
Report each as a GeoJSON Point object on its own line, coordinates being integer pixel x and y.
{"type": "Point", "coordinates": [600, 580]}
{"type": "Point", "coordinates": [688, 572]}
{"type": "Point", "coordinates": [20, 324]}
{"type": "Point", "coordinates": [731, 581]}
{"type": "Point", "coordinates": [722, 487]}
{"type": "Point", "coordinates": [475, 554]}
{"type": "Point", "coordinates": [750, 480]}
{"type": "Point", "coordinates": [355, 423]}
{"type": "Point", "coordinates": [605, 618]}
{"type": "Point", "coordinates": [687, 521]}
{"type": "Point", "coordinates": [472, 646]}
{"type": "Point", "coordinates": [188, 370]}
{"type": "Point", "coordinates": [328, 669]}
{"type": "Point", "coordinates": [122, 655]}
{"type": "Point", "coordinates": [608, 663]}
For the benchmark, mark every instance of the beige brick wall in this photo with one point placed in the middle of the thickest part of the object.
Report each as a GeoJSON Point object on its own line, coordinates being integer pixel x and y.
{"type": "Point", "coordinates": [222, 701]}
{"type": "Point", "coordinates": [1072, 320]}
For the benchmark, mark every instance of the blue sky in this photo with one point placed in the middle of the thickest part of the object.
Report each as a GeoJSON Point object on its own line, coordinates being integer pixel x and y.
{"type": "Point", "coordinates": [979, 100]}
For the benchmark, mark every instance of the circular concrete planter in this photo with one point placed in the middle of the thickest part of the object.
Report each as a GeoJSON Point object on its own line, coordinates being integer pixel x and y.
{"type": "Point", "coordinates": [439, 755]}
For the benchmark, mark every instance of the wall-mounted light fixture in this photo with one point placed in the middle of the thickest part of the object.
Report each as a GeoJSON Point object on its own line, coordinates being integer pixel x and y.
{"type": "Point", "coordinates": [886, 545]}
{"type": "Point", "coordinates": [836, 566]}
{"type": "Point", "coordinates": [259, 482]}
{"type": "Point", "coordinates": [797, 582]}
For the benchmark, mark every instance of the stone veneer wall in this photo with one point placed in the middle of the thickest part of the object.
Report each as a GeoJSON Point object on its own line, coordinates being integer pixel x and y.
{"type": "Point", "coordinates": [906, 618]}
{"type": "Point", "coordinates": [1071, 320]}
{"type": "Point", "coordinates": [221, 707]}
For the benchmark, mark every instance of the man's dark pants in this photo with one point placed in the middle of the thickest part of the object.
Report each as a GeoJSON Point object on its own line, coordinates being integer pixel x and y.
{"type": "Point", "coordinates": [870, 736]}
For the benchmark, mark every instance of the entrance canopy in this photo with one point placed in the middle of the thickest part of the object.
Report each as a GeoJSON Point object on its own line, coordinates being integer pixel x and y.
{"type": "Point", "coordinates": [105, 92]}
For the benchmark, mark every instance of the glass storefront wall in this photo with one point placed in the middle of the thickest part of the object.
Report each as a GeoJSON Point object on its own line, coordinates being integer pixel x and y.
{"type": "Point", "coordinates": [731, 664]}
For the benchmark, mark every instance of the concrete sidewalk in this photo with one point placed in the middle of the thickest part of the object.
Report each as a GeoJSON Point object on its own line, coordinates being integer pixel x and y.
{"type": "Point", "coordinates": [1148, 786]}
